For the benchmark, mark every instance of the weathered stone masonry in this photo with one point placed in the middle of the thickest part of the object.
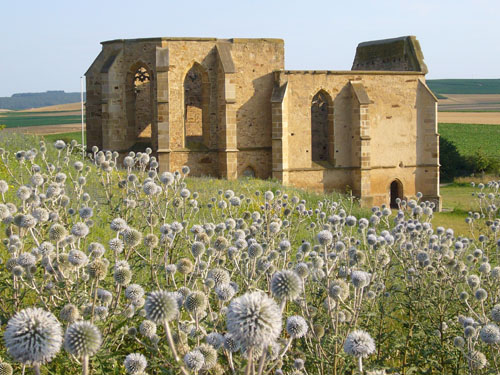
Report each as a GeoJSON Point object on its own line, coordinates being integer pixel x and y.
{"type": "Point", "coordinates": [227, 108]}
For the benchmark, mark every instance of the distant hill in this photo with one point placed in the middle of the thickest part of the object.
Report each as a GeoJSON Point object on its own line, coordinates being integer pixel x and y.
{"type": "Point", "coordinates": [38, 99]}
{"type": "Point", "coordinates": [464, 86]}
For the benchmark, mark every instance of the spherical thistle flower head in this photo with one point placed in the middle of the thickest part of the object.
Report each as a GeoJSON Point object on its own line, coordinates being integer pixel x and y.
{"type": "Point", "coordinates": [135, 364]}
{"type": "Point", "coordinates": [147, 328]}
{"type": "Point", "coordinates": [6, 368]}
{"type": "Point", "coordinates": [495, 313]}
{"type": "Point", "coordinates": [480, 294]}
{"type": "Point", "coordinates": [80, 230]}
{"type": "Point", "coordinates": [194, 360]}
{"type": "Point", "coordinates": [209, 354]}
{"type": "Point", "coordinates": [219, 275]}
{"type": "Point", "coordinates": [296, 326]}
{"type": "Point", "coordinates": [254, 250]}
{"type": "Point", "coordinates": [33, 336]}
{"type": "Point", "coordinates": [197, 249]}
{"type": "Point", "coordinates": [82, 339]}
{"type": "Point", "coordinates": [360, 279]}
{"type": "Point", "coordinates": [230, 344]}
{"type": "Point", "coordinates": [122, 276]}
{"type": "Point", "coordinates": [196, 302]}
{"type": "Point", "coordinates": [23, 193]}
{"type": "Point", "coordinates": [77, 258]}
{"type": "Point", "coordinates": [325, 237]}
{"type": "Point", "coordinates": [69, 313]}
{"type": "Point", "coordinates": [185, 266]}
{"type": "Point", "coordinates": [116, 245]}
{"type": "Point", "coordinates": [134, 291]}
{"type": "Point", "coordinates": [161, 306]}
{"type": "Point", "coordinates": [338, 289]}
{"type": "Point", "coordinates": [286, 284]}
{"type": "Point", "coordinates": [359, 343]}
{"type": "Point", "coordinates": [97, 269]}
{"type": "Point", "coordinates": [253, 320]}
{"type": "Point", "coordinates": [132, 237]}
{"type": "Point", "coordinates": [215, 339]}
{"type": "Point", "coordinates": [224, 291]}
{"type": "Point", "coordinates": [118, 224]}
{"type": "Point", "coordinates": [150, 241]}
{"type": "Point", "coordinates": [490, 334]}
{"type": "Point", "coordinates": [269, 195]}
{"type": "Point", "coordinates": [59, 145]}
{"type": "Point", "coordinates": [477, 360]}
{"type": "Point", "coordinates": [4, 186]}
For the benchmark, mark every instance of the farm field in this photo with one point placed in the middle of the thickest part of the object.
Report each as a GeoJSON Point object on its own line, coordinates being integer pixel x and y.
{"type": "Point", "coordinates": [470, 102]}
{"type": "Point", "coordinates": [471, 138]}
{"type": "Point", "coordinates": [466, 117]}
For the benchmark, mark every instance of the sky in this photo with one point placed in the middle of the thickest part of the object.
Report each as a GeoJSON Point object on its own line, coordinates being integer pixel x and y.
{"type": "Point", "coordinates": [48, 45]}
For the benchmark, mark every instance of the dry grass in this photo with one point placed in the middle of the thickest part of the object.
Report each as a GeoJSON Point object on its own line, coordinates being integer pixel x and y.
{"type": "Point", "coordinates": [58, 107]}
{"type": "Point", "coordinates": [489, 118]}
{"type": "Point", "coordinates": [471, 102]}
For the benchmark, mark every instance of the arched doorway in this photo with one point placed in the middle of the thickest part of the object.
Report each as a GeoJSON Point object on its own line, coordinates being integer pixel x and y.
{"type": "Point", "coordinates": [321, 127]}
{"type": "Point", "coordinates": [396, 191]}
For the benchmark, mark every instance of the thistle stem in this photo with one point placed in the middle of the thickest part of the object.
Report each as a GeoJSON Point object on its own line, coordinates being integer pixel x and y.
{"type": "Point", "coordinates": [172, 347]}
{"type": "Point", "coordinates": [85, 365]}
{"type": "Point", "coordinates": [360, 364]}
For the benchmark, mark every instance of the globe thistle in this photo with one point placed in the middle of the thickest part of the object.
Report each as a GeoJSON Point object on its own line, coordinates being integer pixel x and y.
{"type": "Point", "coordinates": [132, 237]}
{"type": "Point", "coordinates": [77, 258]}
{"type": "Point", "coordinates": [209, 354]}
{"type": "Point", "coordinates": [82, 339]}
{"type": "Point", "coordinates": [253, 320]}
{"type": "Point", "coordinates": [69, 313]}
{"type": "Point", "coordinates": [116, 245]}
{"type": "Point", "coordinates": [134, 291]}
{"type": "Point", "coordinates": [360, 279]}
{"type": "Point", "coordinates": [215, 339]}
{"type": "Point", "coordinates": [490, 334]}
{"type": "Point", "coordinates": [118, 224]}
{"type": "Point", "coordinates": [6, 368]}
{"type": "Point", "coordinates": [302, 269]}
{"type": "Point", "coordinates": [296, 326]}
{"type": "Point", "coordinates": [97, 269]}
{"type": "Point", "coordinates": [40, 214]}
{"type": "Point", "coordinates": [219, 275]}
{"type": "Point", "coordinates": [196, 302]}
{"type": "Point", "coordinates": [359, 344]}
{"type": "Point", "coordinates": [23, 193]}
{"type": "Point", "coordinates": [161, 306]}
{"type": "Point", "coordinates": [325, 237]}
{"type": "Point", "coordinates": [230, 344]}
{"type": "Point", "coordinates": [224, 291]}
{"type": "Point", "coordinates": [122, 276]}
{"type": "Point", "coordinates": [184, 266]}
{"type": "Point", "coordinates": [33, 336]}
{"type": "Point", "coordinates": [338, 289]}
{"type": "Point", "coordinates": [4, 187]}
{"type": "Point", "coordinates": [477, 360]}
{"type": "Point", "coordinates": [150, 241]}
{"type": "Point", "coordinates": [197, 249]}
{"type": "Point", "coordinates": [167, 178]}
{"type": "Point", "coordinates": [147, 328]}
{"type": "Point", "coordinates": [480, 294]}
{"type": "Point", "coordinates": [26, 260]}
{"type": "Point", "coordinates": [286, 284]}
{"type": "Point", "coordinates": [86, 213]}
{"type": "Point", "coordinates": [135, 364]}
{"type": "Point", "coordinates": [194, 360]}
{"type": "Point", "coordinates": [80, 230]}
{"type": "Point", "coordinates": [254, 250]}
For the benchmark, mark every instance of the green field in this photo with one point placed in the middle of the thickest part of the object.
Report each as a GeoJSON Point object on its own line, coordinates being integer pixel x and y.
{"type": "Point", "coordinates": [464, 86]}
{"type": "Point", "coordinates": [66, 137]}
{"type": "Point", "coordinates": [471, 138]}
{"type": "Point", "coordinates": [22, 119]}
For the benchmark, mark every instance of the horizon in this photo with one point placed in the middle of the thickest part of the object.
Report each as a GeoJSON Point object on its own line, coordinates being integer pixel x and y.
{"type": "Point", "coordinates": [52, 47]}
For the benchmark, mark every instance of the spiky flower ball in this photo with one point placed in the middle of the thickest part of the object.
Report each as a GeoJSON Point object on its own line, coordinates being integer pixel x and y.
{"type": "Point", "coordinates": [161, 306]}
{"type": "Point", "coordinates": [286, 284]}
{"type": "Point", "coordinates": [215, 339]}
{"type": "Point", "coordinates": [57, 232]}
{"type": "Point", "coordinates": [82, 339]}
{"type": "Point", "coordinates": [132, 237]}
{"type": "Point", "coordinates": [6, 369]}
{"type": "Point", "coordinates": [33, 336]}
{"type": "Point", "coordinates": [219, 275]}
{"type": "Point", "coordinates": [135, 364]}
{"type": "Point", "coordinates": [194, 360]}
{"type": "Point", "coordinates": [147, 328]}
{"type": "Point", "coordinates": [69, 313]}
{"type": "Point", "coordinates": [97, 269]}
{"type": "Point", "coordinates": [296, 326]}
{"type": "Point", "coordinates": [196, 302]}
{"type": "Point", "coordinates": [184, 266]}
{"type": "Point", "coordinates": [253, 320]}
{"type": "Point", "coordinates": [490, 334]}
{"type": "Point", "coordinates": [477, 360]}
{"type": "Point", "coordinates": [122, 276]}
{"type": "Point", "coordinates": [209, 354]}
{"type": "Point", "coordinates": [359, 343]}
{"type": "Point", "coordinates": [338, 290]}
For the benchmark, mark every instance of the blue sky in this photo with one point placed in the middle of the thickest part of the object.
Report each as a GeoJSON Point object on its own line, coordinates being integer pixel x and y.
{"type": "Point", "coordinates": [48, 45]}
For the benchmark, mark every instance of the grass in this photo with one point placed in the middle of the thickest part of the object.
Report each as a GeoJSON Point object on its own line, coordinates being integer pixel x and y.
{"type": "Point", "coordinates": [12, 121]}
{"type": "Point", "coordinates": [66, 137]}
{"type": "Point", "coordinates": [471, 138]}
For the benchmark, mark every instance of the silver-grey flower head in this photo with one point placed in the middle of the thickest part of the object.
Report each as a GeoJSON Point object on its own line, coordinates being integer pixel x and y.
{"type": "Point", "coordinates": [194, 360]}
{"type": "Point", "coordinates": [69, 313]}
{"type": "Point", "coordinates": [215, 339]}
{"type": "Point", "coordinates": [33, 336]}
{"type": "Point", "coordinates": [147, 328]}
{"type": "Point", "coordinates": [196, 302]}
{"type": "Point", "coordinates": [82, 339]}
{"type": "Point", "coordinates": [490, 334]}
{"type": "Point", "coordinates": [296, 326]}
{"type": "Point", "coordinates": [253, 320]}
{"type": "Point", "coordinates": [477, 360]}
{"type": "Point", "coordinates": [359, 343]}
{"type": "Point", "coordinates": [161, 306]}
{"type": "Point", "coordinates": [6, 369]}
{"type": "Point", "coordinates": [360, 279]}
{"type": "Point", "coordinates": [209, 355]}
{"type": "Point", "coordinates": [135, 364]}
{"type": "Point", "coordinates": [286, 284]}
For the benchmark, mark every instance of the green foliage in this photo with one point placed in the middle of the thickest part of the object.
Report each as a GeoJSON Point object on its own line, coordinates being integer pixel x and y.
{"type": "Point", "coordinates": [66, 137]}
{"type": "Point", "coordinates": [468, 148]}
{"type": "Point", "coordinates": [16, 120]}
{"type": "Point", "coordinates": [464, 86]}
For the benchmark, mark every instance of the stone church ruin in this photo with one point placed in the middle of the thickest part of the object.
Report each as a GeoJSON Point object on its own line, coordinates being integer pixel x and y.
{"type": "Point", "coordinates": [228, 108]}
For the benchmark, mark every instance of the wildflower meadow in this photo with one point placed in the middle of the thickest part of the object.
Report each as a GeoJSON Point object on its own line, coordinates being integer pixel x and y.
{"type": "Point", "coordinates": [109, 266]}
